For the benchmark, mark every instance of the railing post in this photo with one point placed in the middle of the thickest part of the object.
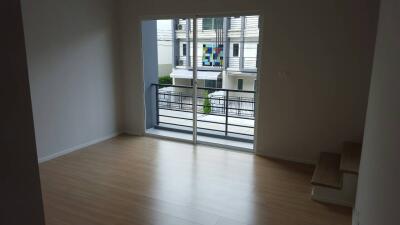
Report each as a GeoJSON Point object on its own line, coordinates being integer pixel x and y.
{"type": "Point", "coordinates": [157, 107]}
{"type": "Point", "coordinates": [226, 112]}
{"type": "Point", "coordinates": [239, 106]}
{"type": "Point", "coordinates": [180, 100]}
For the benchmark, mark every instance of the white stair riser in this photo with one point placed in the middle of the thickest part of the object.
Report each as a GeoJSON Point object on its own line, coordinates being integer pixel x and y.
{"type": "Point", "coordinates": [344, 196]}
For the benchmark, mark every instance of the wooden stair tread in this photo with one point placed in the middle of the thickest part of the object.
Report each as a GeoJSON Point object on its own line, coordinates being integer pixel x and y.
{"type": "Point", "coordinates": [350, 158]}
{"type": "Point", "coordinates": [327, 172]}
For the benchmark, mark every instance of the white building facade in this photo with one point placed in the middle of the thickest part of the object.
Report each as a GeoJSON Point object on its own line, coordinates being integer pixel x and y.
{"type": "Point", "coordinates": [227, 49]}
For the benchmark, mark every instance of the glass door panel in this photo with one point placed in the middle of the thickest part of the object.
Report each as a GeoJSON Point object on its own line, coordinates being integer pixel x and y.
{"type": "Point", "coordinates": [172, 87]}
{"type": "Point", "coordinates": [226, 73]}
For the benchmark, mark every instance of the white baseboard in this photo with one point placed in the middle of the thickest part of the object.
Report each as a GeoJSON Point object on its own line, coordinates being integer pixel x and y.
{"type": "Point", "coordinates": [285, 158]}
{"type": "Point", "coordinates": [133, 133]}
{"type": "Point", "coordinates": [76, 147]}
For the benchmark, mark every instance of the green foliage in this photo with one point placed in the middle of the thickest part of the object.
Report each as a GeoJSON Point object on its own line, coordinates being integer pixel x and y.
{"type": "Point", "coordinates": [207, 103]}
{"type": "Point", "coordinates": [165, 80]}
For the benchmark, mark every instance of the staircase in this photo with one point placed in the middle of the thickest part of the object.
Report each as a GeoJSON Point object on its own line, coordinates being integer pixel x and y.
{"type": "Point", "coordinates": [335, 176]}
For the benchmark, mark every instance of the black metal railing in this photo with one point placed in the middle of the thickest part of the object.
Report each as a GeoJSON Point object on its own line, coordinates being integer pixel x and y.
{"type": "Point", "coordinates": [223, 113]}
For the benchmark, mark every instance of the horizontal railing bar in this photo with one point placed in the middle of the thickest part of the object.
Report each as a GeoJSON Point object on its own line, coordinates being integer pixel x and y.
{"type": "Point", "coordinates": [241, 133]}
{"type": "Point", "coordinates": [246, 118]}
{"type": "Point", "coordinates": [180, 110]}
{"type": "Point", "coordinates": [201, 88]}
{"type": "Point", "coordinates": [190, 110]}
{"type": "Point", "coordinates": [221, 97]}
{"type": "Point", "coordinates": [170, 85]}
{"type": "Point", "coordinates": [175, 95]}
{"type": "Point", "coordinates": [179, 103]}
{"type": "Point", "coordinates": [207, 134]}
{"type": "Point", "coordinates": [212, 98]}
{"type": "Point", "coordinates": [175, 117]}
{"type": "Point", "coordinates": [207, 121]}
{"type": "Point", "coordinates": [221, 107]}
{"type": "Point", "coordinates": [249, 110]}
{"type": "Point", "coordinates": [206, 128]}
{"type": "Point", "coordinates": [237, 125]}
{"type": "Point", "coordinates": [191, 126]}
{"type": "Point", "coordinates": [176, 124]}
{"type": "Point", "coordinates": [212, 106]}
{"type": "Point", "coordinates": [229, 124]}
{"type": "Point", "coordinates": [229, 100]}
{"type": "Point", "coordinates": [223, 89]}
{"type": "Point", "coordinates": [224, 131]}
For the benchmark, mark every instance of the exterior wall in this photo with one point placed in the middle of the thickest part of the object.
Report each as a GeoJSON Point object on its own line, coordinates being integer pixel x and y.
{"type": "Point", "coordinates": [180, 81]}
{"type": "Point", "coordinates": [251, 26]}
{"type": "Point", "coordinates": [251, 33]}
{"type": "Point", "coordinates": [164, 69]}
{"type": "Point", "coordinates": [235, 23]}
{"type": "Point", "coordinates": [164, 42]}
{"type": "Point", "coordinates": [187, 82]}
{"type": "Point", "coordinates": [232, 82]}
{"type": "Point", "coordinates": [250, 55]}
{"type": "Point", "coordinates": [233, 61]}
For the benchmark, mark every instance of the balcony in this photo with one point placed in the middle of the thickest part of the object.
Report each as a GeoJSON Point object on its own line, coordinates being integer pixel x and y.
{"type": "Point", "coordinates": [222, 113]}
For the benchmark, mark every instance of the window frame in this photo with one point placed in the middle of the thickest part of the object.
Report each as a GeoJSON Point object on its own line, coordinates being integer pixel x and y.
{"type": "Point", "coordinates": [214, 21]}
{"type": "Point", "coordinates": [184, 49]}
{"type": "Point", "coordinates": [240, 84]}
{"type": "Point", "coordinates": [208, 19]}
{"type": "Point", "coordinates": [233, 49]}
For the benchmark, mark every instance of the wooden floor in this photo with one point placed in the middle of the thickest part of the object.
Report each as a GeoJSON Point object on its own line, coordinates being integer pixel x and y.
{"type": "Point", "coordinates": [142, 180]}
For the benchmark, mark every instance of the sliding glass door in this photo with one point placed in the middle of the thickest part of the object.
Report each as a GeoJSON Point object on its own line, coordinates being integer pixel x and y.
{"type": "Point", "coordinates": [226, 71]}
{"type": "Point", "coordinates": [212, 80]}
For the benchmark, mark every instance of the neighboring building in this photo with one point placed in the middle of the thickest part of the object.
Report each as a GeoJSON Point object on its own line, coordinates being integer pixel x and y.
{"type": "Point", "coordinates": [226, 49]}
{"type": "Point", "coordinates": [164, 47]}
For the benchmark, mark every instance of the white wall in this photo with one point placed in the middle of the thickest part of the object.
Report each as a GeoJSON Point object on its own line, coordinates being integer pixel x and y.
{"type": "Point", "coordinates": [231, 82]}
{"type": "Point", "coordinates": [325, 48]}
{"type": "Point", "coordinates": [378, 195]}
{"type": "Point", "coordinates": [72, 61]}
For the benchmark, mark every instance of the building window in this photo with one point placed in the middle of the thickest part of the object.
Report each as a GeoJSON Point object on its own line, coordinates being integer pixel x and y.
{"type": "Point", "coordinates": [207, 23]}
{"type": "Point", "coordinates": [240, 84]}
{"type": "Point", "coordinates": [235, 50]}
{"type": "Point", "coordinates": [218, 23]}
{"type": "Point", "coordinates": [210, 83]}
{"type": "Point", "coordinates": [219, 83]}
{"type": "Point", "coordinates": [212, 23]}
{"type": "Point", "coordinates": [184, 49]}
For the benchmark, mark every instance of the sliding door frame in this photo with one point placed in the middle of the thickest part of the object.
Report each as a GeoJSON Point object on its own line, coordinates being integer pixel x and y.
{"type": "Point", "coordinates": [194, 17]}
{"type": "Point", "coordinates": [195, 84]}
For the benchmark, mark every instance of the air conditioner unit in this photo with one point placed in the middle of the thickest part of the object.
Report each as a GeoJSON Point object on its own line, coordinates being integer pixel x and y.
{"type": "Point", "coordinates": [180, 63]}
{"type": "Point", "coordinates": [180, 27]}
